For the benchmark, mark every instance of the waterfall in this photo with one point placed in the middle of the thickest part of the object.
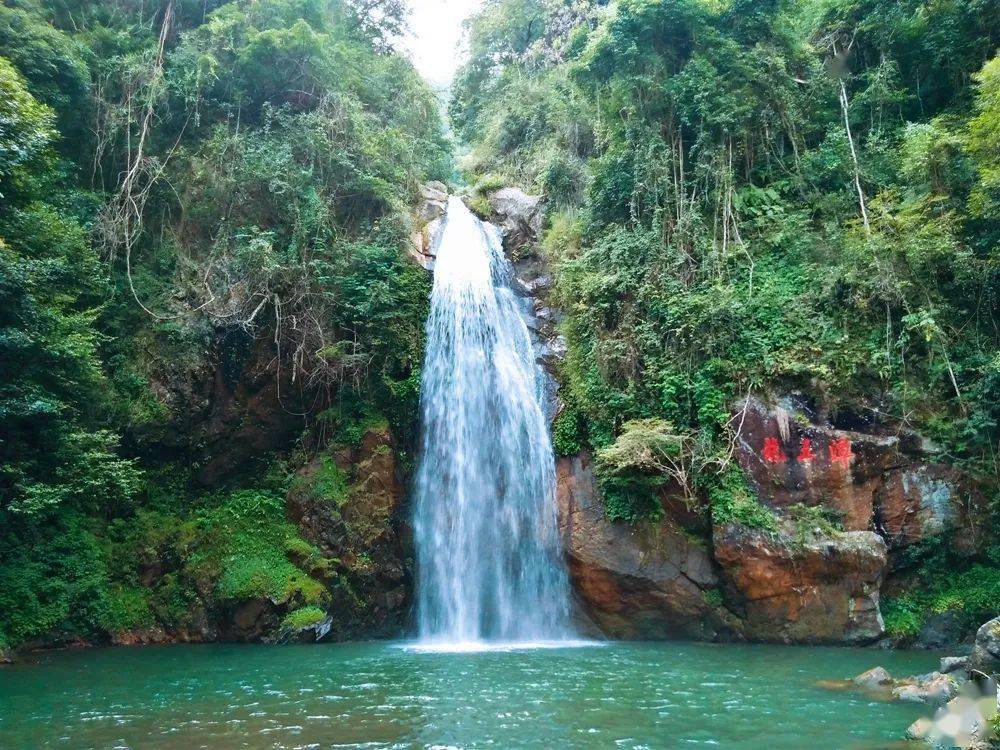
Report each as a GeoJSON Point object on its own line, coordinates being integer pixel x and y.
{"type": "Point", "coordinates": [489, 561]}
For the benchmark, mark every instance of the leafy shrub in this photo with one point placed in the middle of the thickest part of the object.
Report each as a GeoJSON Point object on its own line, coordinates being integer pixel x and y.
{"type": "Point", "coordinates": [732, 501]}
{"type": "Point", "coordinates": [903, 616]}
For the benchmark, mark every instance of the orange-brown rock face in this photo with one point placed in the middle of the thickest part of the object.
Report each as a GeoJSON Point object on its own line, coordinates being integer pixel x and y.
{"type": "Point", "coordinates": [822, 591]}
{"type": "Point", "coordinates": [633, 581]}
{"type": "Point", "coordinates": [875, 482]}
{"type": "Point", "coordinates": [660, 580]}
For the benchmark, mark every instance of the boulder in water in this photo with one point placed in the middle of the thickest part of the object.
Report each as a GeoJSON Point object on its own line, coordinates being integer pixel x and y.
{"type": "Point", "coordinates": [873, 679]}
{"type": "Point", "coordinates": [649, 581]}
{"type": "Point", "coordinates": [985, 656]}
{"type": "Point", "coordinates": [951, 664]}
{"type": "Point", "coordinates": [935, 688]}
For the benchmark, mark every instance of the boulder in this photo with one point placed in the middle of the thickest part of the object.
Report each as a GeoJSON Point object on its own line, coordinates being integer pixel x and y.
{"type": "Point", "coordinates": [873, 679]}
{"type": "Point", "coordinates": [518, 215]}
{"type": "Point", "coordinates": [309, 633]}
{"type": "Point", "coordinates": [822, 591]}
{"type": "Point", "coordinates": [873, 479]}
{"type": "Point", "coordinates": [919, 729]}
{"type": "Point", "coordinates": [985, 656]}
{"type": "Point", "coordinates": [940, 630]}
{"type": "Point", "coordinates": [434, 201]}
{"type": "Point", "coordinates": [642, 581]}
{"type": "Point", "coordinates": [951, 664]}
{"type": "Point", "coordinates": [789, 460]}
{"type": "Point", "coordinates": [428, 218]}
{"type": "Point", "coordinates": [252, 620]}
{"type": "Point", "coordinates": [934, 688]}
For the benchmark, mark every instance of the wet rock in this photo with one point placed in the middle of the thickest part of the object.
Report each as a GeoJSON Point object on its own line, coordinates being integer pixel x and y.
{"type": "Point", "coordinates": [874, 678]}
{"type": "Point", "coordinates": [142, 637]}
{"type": "Point", "coordinates": [650, 581]}
{"type": "Point", "coordinates": [919, 729]}
{"type": "Point", "coordinates": [821, 591]}
{"type": "Point", "coordinates": [940, 630]}
{"type": "Point", "coordinates": [518, 215]}
{"type": "Point", "coordinates": [935, 688]}
{"type": "Point", "coordinates": [985, 656]}
{"type": "Point", "coordinates": [253, 620]}
{"type": "Point", "coordinates": [951, 664]}
{"type": "Point", "coordinates": [349, 503]}
{"type": "Point", "coordinates": [310, 633]}
{"type": "Point", "coordinates": [6, 656]}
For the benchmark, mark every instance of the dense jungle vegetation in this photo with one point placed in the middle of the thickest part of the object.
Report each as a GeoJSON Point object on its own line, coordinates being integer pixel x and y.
{"type": "Point", "coordinates": [757, 196]}
{"type": "Point", "coordinates": [743, 196]}
{"type": "Point", "coordinates": [183, 180]}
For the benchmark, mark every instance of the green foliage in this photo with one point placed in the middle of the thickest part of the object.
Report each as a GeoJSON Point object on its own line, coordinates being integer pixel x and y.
{"type": "Point", "coordinates": [264, 213]}
{"type": "Point", "coordinates": [86, 578]}
{"type": "Point", "coordinates": [54, 450]}
{"type": "Point", "coordinates": [302, 618]}
{"type": "Point", "coordinates": [246, 539]}
{"type": "Point", "coordinates": [709, 240]}
{"type": "Point", "coordinates": [732, 501]}
{"type": "Point", "coordinates": [813, 521]}
{"type": "Point", "coordinates": [567, 432]}
{"type": "Point", "coordinates": [330, 482]}
{"type": "Point", "coordinates": [25, 123]}
{"type": "Point", "coordinates": [713, 597]}
{"type": "Point", "coordinates": [902, 615]}
{"type": "Point", "coordinates": [942, 581]}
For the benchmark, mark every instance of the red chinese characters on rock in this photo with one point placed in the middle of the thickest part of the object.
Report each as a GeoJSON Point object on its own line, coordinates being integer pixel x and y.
{"type": "Point", "coordinates": [772, 451]}
{"type": "Point", "coordinates": [840, 452]}
{"type": "Point", "coordinates": [805, 453]}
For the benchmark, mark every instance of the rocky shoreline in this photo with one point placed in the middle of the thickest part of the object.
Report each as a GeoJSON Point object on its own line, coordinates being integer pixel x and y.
{"type": "Point", "coordinates": [961, 695]}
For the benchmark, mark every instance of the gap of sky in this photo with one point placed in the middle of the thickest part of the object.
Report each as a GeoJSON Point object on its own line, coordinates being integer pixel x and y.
{"type": "Point", "coordinates": [434, 43]}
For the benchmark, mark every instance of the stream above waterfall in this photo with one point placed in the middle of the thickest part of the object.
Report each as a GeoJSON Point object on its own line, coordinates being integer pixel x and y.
{"type": "Point", "coordinates": [377, 695]}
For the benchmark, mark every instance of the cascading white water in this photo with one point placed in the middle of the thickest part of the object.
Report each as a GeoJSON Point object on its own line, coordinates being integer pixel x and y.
{"type": "Point", "coordinates": [489, 561]}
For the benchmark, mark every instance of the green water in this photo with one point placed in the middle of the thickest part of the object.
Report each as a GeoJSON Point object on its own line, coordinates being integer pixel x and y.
{"type": "Point", "coordinates": [376, 695]}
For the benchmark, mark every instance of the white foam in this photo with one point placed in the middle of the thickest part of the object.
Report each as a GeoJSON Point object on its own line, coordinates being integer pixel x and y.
{"type": "Point", "coordinates": [479, 647]}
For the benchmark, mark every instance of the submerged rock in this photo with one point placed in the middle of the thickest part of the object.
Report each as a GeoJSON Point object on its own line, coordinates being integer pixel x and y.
{"type": "Point", "coordinates": [919, 729]}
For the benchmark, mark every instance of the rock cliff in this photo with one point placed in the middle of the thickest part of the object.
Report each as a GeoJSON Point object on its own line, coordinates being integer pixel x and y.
{"type": "Point", "coordinates": [683, 577]}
